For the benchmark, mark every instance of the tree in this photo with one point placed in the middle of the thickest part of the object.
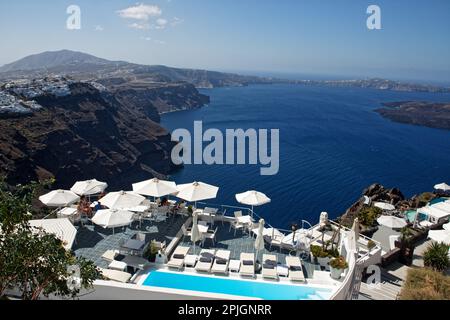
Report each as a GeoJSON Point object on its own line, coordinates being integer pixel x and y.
{"type": "Point", "coordinates": [31, 260]}
{"type": "Point", "coordinates": [436, 257]}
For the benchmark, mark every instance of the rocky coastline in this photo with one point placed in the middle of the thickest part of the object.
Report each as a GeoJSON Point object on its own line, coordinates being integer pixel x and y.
{"type": "Point", "coordinates": [428, 114]}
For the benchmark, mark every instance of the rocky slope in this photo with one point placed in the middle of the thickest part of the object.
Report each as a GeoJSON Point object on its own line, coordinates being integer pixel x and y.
{"type": "Point", "coordinates": [83, 135]}
{"type": "Point", "coordinates": [429, 114]}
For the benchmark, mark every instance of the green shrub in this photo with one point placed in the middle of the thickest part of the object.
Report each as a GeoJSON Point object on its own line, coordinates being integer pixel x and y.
{"type": "Point", "coordinates": [436, 256]}
{"type": "Point", "coordinates": [316, 250]}
{"type": "Point", "coordinates": [425, 284]}
{"type": "Point", "coordinates": [367, 216]}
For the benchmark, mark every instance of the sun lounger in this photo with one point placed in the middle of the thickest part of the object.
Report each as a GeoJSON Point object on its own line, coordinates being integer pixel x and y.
{"type": "Point", "coordinates": [114, 275]}
{"type": "Point", "coordinates": [177, 259]}
{"type": "Point", "coordinates": [110, 255]}
{"type": "Point", "coordinates": [221, 262]}
{"type": "Point", "coordinates": [295, 269]}
{"type": "Point", "coordinates": [205, 260]}
{"type": "Point", "coordinates": [269, 266]}
{"type": "Point", "coordinates": [247, 265]}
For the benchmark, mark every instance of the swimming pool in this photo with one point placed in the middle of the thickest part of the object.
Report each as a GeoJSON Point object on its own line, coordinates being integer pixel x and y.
{"type": "Point", "coordinates": [438, 200]}
{"type": "Point", "coordinates": [229, 286]}
{"type": "Point", "coordinates": [411, 215]}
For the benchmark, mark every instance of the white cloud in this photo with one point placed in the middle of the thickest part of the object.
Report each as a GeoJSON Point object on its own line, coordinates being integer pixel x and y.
{"type": "Point", "coordinates": [140, 12]}
{"type": "Point", "coordinates": [146, 38]}
{"type": "Point", "coordinates": [99, 28]}
{"type": "Point", "coordinates": [161, 22]}
{"type": "Point", "coordinates": [176, 21]}
{"type": "Point", "coordinates": [139, 26]}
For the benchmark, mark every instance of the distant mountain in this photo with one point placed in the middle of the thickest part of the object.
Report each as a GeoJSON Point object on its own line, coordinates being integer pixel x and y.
{"type": "Point", "coordinates": [81, 65]}
{"type": "Point", "coordinates": [55, 59]}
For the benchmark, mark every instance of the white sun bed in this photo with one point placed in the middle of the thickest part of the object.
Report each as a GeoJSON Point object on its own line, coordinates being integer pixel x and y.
{"type": "Point", "coordinates": [247, 265]}
{"type": "Point", "coordinates": [221, 262]}
{"type": "Point", "coordinates": [269, 266]}
{"type": "Point", "coordinates": [205, 260]}
{"type": "Point", "coordinates": [295, 269]}
{"type": "Point", "coordinates": [114, 275]}
{"type": "Point", "coordinates": [178, 256]}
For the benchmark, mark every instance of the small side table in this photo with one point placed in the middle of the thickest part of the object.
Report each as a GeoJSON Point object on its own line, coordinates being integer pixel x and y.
{"type": "Point", "coordinates": [282, 270]}
{"type": "Point", "coordinates": [190, 260]}
{"type": "Point", "coordinates": [234, 266]}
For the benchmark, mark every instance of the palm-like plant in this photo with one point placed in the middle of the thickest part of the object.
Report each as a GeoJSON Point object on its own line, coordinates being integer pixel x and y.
{"type": "Point", "coordinates": [436, 256]}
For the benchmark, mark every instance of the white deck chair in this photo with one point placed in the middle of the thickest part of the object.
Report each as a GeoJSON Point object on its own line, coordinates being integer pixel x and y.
{"type": "Point", "coordinates": [247, 265]}
{"type": "Point", "coordinates": [114, 275]}
{"type": "Point", "coordinates": [177, 259]}
{"type": "Point", "coordinates": [221, 262]}
{"type": "Point", "coordinates": [236, 225]}
{"type": "Point", "coordinates": [269, 267]}
{"type": "Point", "coordinates": [205, 260]}
{"type": "Point", "coordinates": [295, 269]}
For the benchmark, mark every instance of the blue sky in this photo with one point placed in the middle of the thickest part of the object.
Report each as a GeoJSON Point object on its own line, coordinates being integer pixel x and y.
{"type": "Point", "coordinates": [326, 37]}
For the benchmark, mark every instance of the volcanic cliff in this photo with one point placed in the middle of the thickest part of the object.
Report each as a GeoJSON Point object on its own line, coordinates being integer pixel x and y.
{"type": "Point", "coordinates": [110, 135]}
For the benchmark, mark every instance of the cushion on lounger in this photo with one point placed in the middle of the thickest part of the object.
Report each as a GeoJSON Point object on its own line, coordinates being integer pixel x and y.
{"type": "Point", "coordinates": [178, 256]}
{"type": "Point", "coordinates": [205, 259]}
{"type": "Point", "coordinates": [268, 266]}
{"type": "Point", "coordinates": [221, 261]}
{"type": "Point", "coordinates": [295, 268]}
{"type": "Point", "coordinates": [119, 257]}
{"type": "Point", "coordinates": [270, 262]}
{"type": "Point", "coordinates": [247, 262]}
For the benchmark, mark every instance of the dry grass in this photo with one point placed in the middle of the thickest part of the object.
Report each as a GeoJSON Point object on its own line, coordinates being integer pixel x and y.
{"type": "Point", "coordinates": [425, 284]}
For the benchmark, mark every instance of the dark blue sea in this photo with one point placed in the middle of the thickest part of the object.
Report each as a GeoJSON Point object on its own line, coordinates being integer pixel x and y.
{"type": "Point", "coordinates": [332, 146]}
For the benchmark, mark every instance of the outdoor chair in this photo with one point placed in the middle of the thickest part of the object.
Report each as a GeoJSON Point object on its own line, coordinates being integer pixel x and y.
{"type": "Point", "coordinates": [177, 259]}
{"type": "Point", "coordinates": [269, 266]}
{"type": "Point", "coordinates": [205, 260]}
{"type": "Point", "coordinates": [221, 262]}
{"type": "Point", "coordinates": [236, 225]}
{"type": "Point", "coordinates": [295, 269]}
{"type": "Point", "coordinates": [276, 240]}
{"type": "Point", "coordinates": [211, 235]}
{"type": "Point", "coordinates": [247, 265]}
{"type": "Point", "coordinates": [186, 232]}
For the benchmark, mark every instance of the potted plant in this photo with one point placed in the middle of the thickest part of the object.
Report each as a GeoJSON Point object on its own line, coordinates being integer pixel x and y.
{"type": "Point", "coordinates": [315, 252]}
{"type": "Point", "coordinates": [151, 252]}
{"type": "Point", "coordinates": [323, 258]}
{"type": "Point", "coordinates": [337, 266]}
{"type": "Point", "coordinates": [190, 210]}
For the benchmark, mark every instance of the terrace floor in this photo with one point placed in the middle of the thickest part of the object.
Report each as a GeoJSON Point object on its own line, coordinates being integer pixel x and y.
{"type": "Point", "coordinates": [242, 242]}
{"type": "Point", "coordinates": [93, 241]}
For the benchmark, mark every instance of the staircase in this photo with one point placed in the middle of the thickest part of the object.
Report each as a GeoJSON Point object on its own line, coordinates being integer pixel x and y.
{"type": "Point", "coordinates": [388, 289]}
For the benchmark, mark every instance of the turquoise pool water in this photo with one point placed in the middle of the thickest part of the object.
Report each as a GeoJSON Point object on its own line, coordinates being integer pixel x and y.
{"type": "Point", "coordinates": [438, 200]}
{"type": "Point", "coordinates": [411, 215]}
{"type": "Point", "coordinates": [253, 289]}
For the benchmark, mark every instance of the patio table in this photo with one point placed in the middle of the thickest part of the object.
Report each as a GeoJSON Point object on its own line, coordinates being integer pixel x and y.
{"type": "Point", "coordinates": [134, 245]}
